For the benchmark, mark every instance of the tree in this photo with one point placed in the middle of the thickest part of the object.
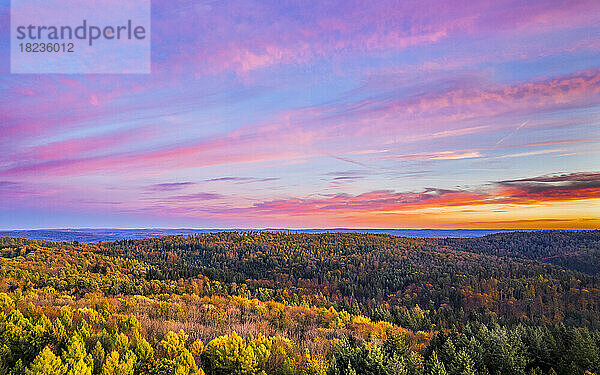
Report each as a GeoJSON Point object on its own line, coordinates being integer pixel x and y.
{"type": "Point", "coordinates": [172, 349]}
{"type": "Point", "coordinates": [75, 358]}
{"type": "Point", "coordinates": [46, 363]}
{"type": "Point", "coordinates": [464, 364]}
{"type": "Point", "coordinates": [414, 364]}
{"type": "Point", "coordinates": [231, 354]}
{"type": "Point", "coordinates": [435, 366]}
{"type": "Point", "coordinates": [116, 364]}
{"type": "Point", "coordinates": [312, 365]}
{"type": "Point", "coordinates": [395, 342]}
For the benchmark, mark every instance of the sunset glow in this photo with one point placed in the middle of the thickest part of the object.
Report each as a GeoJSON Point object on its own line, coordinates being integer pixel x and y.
{"type": "Point", "coordinates": [306, 114]}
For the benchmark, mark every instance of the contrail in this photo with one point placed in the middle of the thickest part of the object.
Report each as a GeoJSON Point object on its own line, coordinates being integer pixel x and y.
{"type": "Point", "coordinates": [513, 132]}
{"type": "Point", "coordinates": [351, 161]}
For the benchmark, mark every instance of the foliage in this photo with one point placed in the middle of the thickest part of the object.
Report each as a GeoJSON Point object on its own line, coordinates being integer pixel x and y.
{"type": "Point", "coordinates": [300, 304]}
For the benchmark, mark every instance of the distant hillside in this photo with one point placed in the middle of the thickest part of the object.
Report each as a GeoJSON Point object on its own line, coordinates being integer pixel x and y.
{"type": "Point", "coordinates": [107, 235]}
{"type": "Point", "coordinates": [576, 250]}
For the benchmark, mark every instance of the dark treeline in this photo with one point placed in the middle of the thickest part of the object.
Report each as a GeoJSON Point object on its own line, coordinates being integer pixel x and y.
{"type": "Point", "coordinates": [577, 250]}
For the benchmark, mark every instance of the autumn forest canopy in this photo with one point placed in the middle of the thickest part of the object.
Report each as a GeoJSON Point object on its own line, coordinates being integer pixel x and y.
{"type": "Point", "coordinates": [280, 303]}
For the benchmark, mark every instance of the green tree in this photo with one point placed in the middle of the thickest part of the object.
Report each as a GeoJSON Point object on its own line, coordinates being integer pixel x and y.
{"type": "Point", "coordinates": [435, 366]}
{"type": "Point", "coordinates": [172, 349]}
{"type": "Point", "coordinates": [231, 354]}
{"type": "Point", "coordinates": [415, 364]}
{"type": "Point", "coordinates": [464, 364]}
{"type": "Point", "coordinates": [116, 364]}
{"type": "Point", "coordinates": [46, 363]}
{"type": "Point", "coordinates": [75, 358]}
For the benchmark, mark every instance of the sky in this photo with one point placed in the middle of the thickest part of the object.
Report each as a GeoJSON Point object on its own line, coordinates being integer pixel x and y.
{"type": "Point", "coordinates": [318, 114]}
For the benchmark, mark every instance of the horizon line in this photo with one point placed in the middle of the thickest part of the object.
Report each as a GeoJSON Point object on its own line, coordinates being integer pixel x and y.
{"type": "Point", "coordinates": [296, 229]}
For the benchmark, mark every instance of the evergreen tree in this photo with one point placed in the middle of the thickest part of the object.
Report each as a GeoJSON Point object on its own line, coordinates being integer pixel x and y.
{"type": "Point", "coordinates": [435, 366]}
{"type": "Point", "coordinates": [75, 358]}
{"type": "Point", "coordinates": [46, 363]}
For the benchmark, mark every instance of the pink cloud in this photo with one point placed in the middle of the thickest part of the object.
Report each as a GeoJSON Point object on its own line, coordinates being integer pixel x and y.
{"type": "Point", "coordinates": [78, 147]}
{"type": "Point", "coordinates": [441, 155]}
{"type": "Point", "coordinates": [297, 134]}
{"type": "Point", "coordinates": [383, 207]}
{"type": "Point", "coordinates": [551, 188]}
{"type": "Point", "coordinates": [278, 36]}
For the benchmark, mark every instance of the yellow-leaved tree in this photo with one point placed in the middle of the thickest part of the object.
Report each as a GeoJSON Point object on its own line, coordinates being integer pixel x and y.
{"type": "Point", "coordinates": [232, 354]}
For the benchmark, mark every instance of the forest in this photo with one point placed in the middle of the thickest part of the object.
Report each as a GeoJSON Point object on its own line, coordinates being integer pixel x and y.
{"type": "Point", "coordinates": [286, 303]}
